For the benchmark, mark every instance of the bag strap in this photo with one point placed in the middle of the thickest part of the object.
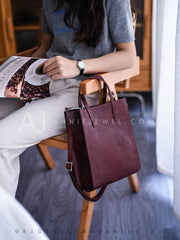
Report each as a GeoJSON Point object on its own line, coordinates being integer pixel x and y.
{"type": "Point", "coordinates": [104, 96]}
{"type": "Point", "coordinates": [100, 78]}
{"type": "Point", "coordinates": [106, 86]}
{"type": "Point", "coordinates": [70, 168]}
{"type": "Point", "coordinates": [82, 99]}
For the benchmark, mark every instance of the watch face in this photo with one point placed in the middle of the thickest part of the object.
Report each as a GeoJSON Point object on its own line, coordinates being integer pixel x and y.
{"type": "Point", "coordinates": [81, 64]}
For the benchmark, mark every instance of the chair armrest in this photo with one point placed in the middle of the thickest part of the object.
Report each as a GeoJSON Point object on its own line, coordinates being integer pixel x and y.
{"type": "Point", "coordinates": [2, 60]}
{"type": "Point", "coordinates": [27, 53]}
{"type": "Point", "coordinates": [92, 85]}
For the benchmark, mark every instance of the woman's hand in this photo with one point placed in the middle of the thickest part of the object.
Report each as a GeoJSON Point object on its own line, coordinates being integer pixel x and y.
{"type": "Point", "coordinates": [61, 68]}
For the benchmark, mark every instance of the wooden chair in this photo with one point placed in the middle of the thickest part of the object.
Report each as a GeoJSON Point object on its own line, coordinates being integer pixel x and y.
{"type": "Point", "coordinates": [8, 48]}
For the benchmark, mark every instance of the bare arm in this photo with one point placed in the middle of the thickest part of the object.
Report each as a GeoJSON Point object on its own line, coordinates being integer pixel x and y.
{"type": "Point", "coordinates": [46, 40]}
{"type": "Point", "coordinates": [60, 67]}
{"type": "Point", "coordinates": [123, 58]}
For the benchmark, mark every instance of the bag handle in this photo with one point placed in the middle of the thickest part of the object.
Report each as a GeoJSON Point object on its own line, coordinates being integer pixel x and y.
{"type": "Point", "coordinates": [82, 99]}
{"type": "Point", "coordinates": [106, 86]}
{"type": "Point", "coordinates": [104, 96]}
{"type": "Point", "coordinates": [72, 174]}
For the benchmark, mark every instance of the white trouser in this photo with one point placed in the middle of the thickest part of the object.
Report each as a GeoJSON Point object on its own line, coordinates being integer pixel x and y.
{"type": "Point", "coordinates": [22, 126]}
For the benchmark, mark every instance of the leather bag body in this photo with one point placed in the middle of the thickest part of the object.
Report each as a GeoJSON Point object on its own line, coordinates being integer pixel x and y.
{"type": "Point", "coordinates": [101, 144]}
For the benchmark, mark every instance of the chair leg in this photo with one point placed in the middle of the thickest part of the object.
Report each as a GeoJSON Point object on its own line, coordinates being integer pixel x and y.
{"type": "Point", "coordinates": [86, 217]}
{"type": "Point", "coordinates": [134, 182]}
{"type": "Point", "coordinates": [46, 156]}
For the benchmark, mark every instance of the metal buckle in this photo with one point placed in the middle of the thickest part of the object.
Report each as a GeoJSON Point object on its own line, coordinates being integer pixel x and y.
{"type": "Point", "coordinates": [69, 166]}
{"type": "Point", "coordinates": [72, 108]}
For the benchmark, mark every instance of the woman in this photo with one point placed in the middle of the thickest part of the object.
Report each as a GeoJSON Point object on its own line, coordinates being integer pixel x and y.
{"type": "Point", "coordinates": [78, 38]}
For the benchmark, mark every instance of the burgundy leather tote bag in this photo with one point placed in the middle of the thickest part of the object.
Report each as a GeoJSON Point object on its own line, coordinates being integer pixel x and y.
{"type": "Point", "coordinates": [101, 144]}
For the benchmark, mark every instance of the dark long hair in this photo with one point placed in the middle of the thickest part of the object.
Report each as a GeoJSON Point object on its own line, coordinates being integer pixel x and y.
{"type": "Point", "coordinates": [90, 14]}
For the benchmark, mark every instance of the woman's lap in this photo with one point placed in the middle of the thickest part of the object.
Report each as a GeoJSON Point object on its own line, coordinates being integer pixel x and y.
{"type": "Point", "coordinates": [40, 119]}
{"type": "Point", "coordinates": [35, 121]}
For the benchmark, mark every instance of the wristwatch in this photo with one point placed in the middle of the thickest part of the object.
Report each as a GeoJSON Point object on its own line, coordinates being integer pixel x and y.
{"type": "Point", "coordinates": [81, 65]}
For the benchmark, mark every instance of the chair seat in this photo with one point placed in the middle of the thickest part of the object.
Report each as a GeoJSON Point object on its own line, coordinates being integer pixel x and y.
{"type": "Point", "coordinates": [61, 137]}
{"type": "Point", "coordinates": [59, 141]}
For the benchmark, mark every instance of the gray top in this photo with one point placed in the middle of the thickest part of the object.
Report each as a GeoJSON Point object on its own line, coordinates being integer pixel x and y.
{"type": "Point", "coordinates": [118, 28]}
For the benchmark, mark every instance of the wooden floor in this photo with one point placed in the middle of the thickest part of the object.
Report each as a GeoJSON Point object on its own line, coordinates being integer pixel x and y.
{"type": "Point", "coordinates": [120, 215]}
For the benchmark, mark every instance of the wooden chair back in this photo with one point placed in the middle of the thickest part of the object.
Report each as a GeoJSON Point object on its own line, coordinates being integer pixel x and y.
{"type": "Point", "coordinates": [7, 36]}
{"type": "Point", "coordinates": [7, 33]}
